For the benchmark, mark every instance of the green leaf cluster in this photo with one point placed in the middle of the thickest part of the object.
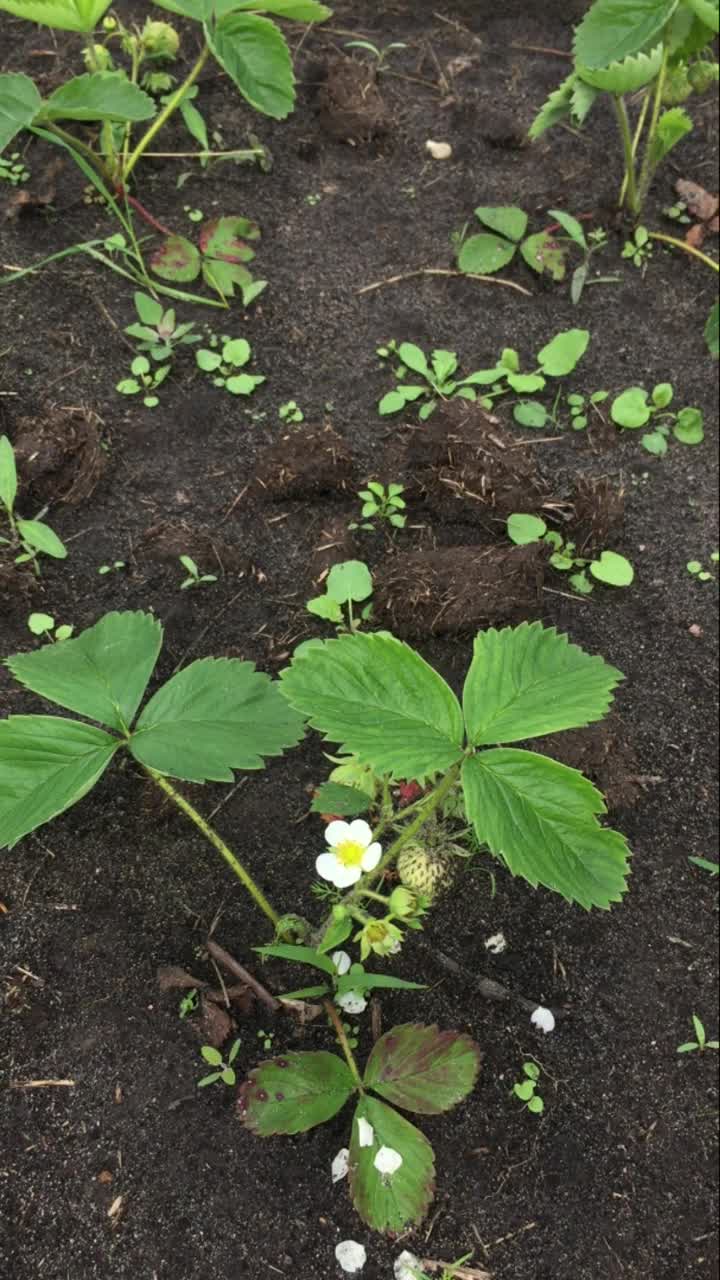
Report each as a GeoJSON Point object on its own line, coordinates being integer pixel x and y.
{"type": "Point", "coordinates": [492, 250]}
{"type": "Point", "coordinates": [609, 567]}
{"type": "Point", "coordinates": [386, 706]}
{"type": "Point", "coordinates": [97, 95]}
{"type": "Point", "coordinates": [28, 538]}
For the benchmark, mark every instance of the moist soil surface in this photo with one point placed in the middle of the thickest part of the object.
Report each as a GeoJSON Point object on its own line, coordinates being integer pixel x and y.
{"type": "Point", "coordinates": [130, 1170]}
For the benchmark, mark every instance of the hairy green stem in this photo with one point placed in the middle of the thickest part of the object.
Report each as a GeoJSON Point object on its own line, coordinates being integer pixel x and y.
{"type": "Point", "coordinates": [646, 172]}
{"type": "Point", "coordinates": [332, 1014]}
{"type": "Point", "coordinates": [687, 248]}
{"type": "Point", "coordinates": [190, 812]}
{"type": "Point", "coordinates": [171, 105]}
{"type": "Point", "coordinates": [636, 143]}
{"type": "Point", "coordinates": [624, 126]}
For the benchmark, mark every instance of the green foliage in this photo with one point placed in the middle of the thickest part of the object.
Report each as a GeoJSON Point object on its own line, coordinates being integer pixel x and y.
{"type": "Point", "coordinates": [613, 29]}
{"type": "Point", "coordinates": [221, 256]}
{"type": "Point", "coordinates": [526, 1089]}
{"type": "Point", "coordinates": [222, 360]}
{"type": "Point", "coordinates": [225, 1073]}
{"type": "Point", "coordinates": [194, 577]}
{"type": "Point", "coordinates": [158, 332]}
{"type": "Point", "coordinates": [379, 503]}
{"type": "Point", "coordinates": [701, 1042]}
{"type": "Point", "coordinates": [612, 569]}
{"type": "Point", "coordinates": [635, 408]}
{"type": "Point", "coordinates": [543, 251]}
{"type": "Point", "coordinates": [143, 381]}
{"type": "Point", "coordinates": [348, 583]}
{"type": "Point", "coordinates": [422, 1069]}
{"type": "Point", "coordinates": [19, 104]}
{"type": "Point", "coordinates": [390, 1204]}
{"type": "Point", "coordinates": [27, 539]}
{"type": "Point", "coordinates": [712, 330]}
{"type": "Point", "coordinates": [100, 95]}
{"type": "Point", "coordinates": [65, 15]}
{"type": "Point", "coordinates": [313, 1087]}
{"type": "Point", "coordinates": [390, 710]}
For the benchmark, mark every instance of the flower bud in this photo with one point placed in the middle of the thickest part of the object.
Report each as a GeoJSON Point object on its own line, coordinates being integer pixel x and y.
{"type": "Point", "coordinates": [339, 912]}
{"type": "Point", "coordinates": [160, 40]}
{"type": "Point", "coordinates": [403, 902]}
{"type": "Point", "coordinates": [109, 23]}
{"type": "Point", "coordinates": [98, 58]}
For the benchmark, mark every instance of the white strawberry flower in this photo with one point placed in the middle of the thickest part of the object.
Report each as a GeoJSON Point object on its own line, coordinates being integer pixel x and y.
{"type": "Point", "coordinates": [352, 851]}
{"type": "Point", "coordinates": [543, 1019]}
{"type": "Point", "coordinates": [340, 1165]}
{"type": "Point", "coordinates": [387, 1161]}
{"type": "Point", "coordinates": [351, 1256]}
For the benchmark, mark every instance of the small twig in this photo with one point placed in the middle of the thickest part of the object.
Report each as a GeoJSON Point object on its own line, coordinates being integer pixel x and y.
{"type": "Point", "coordinates": [539, 48]}
{"type": "Point", "coordinates": [42, 1084]}
{"type": "Point", "coordinates": [229, 795]}
{"type": "Point", "coordinates": [569, 595]}
{"type": "Point", "coordinates": [224, 958]}
{"type": "Point", "coordinates": [439, 271]}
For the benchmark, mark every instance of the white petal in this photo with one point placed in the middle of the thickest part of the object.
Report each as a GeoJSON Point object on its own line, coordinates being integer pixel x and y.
{"type": "Point", "coordinates": [496, 944]}
{"type": "Point", "coordinates": [336, 832]}
{"type": "Point", "coordinates": [360, 832]}
{"type": "Point", "coordinates": [326, 866]}
{"type": "Point", "coordinates": [543, 1019]}
{"type": "Point", "coordinates": [352, 1002]}
{"type": "Point", "coordinates": [345, 876]}
{"type": "Point", "coordinates": [387, 1161]}
{"type": "Point", "coordinates": [340, 1165]}
{"type": "Point", "coordinates": [371, 857]}
{"type": "Point", "coordinates": [342, 962]}
{"type": "Point", "coordinates": [351, 1256]}
{"type": "Point", "coordinates": [406, 1266]}
{"type": "Point", "coordinates": [366, 1133]}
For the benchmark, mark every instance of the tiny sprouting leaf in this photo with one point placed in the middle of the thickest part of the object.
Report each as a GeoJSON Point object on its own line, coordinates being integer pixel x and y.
{"type": "Point", "coordinates": [689, 426]}
{"type": "Point", "coordinates": [693, 566]}
{"type": "Point", "coordinates": [631, 409]}
{"type": "Point", "coordinates": [228, 1076]}
{"type": "Point", "coordinates": [216, 715]}
{"type": "Point", "coordinates": [236, 352]}
{"type": "Point", "coordinates": [655, 442]}
{"type": "Point", "coordinates": [393, 402]}
{"type": "Point", "coordinates": [706, 865]}
{"type": "Point", "coordinates": [571, 225]}
{"type": "Point", "coordinates": [40, 537]}
{"type": "Point", "coordinates": [413, 358]}
{"type": "Point", "coordinates": [508, 220]}
{"type": "Point", "coordinates": [688, 1047]}
{"type": "Point", "coordinates": [531, 1070]}
{"type": "Point", "coordinates": [349, 581]}
{"type": "Point", "coordinates": [613, 569]}
{"type": "Point", "coordinates": [423, 1069]}
{"type": "Point", "coordinates": [564, 563]}
{"type": "Point", "coordinates": [599, 397]}
{"type": "Point", "coordinates": [212, 1056]}
{"type": "Point", "coordinates": [210, 1079]}
{"type": "Point", "coordinates": [324, 607]}
{"type": "Point", "coordinates": [444, 365]}
{"type": "Point", "coordinates": [484, 254]}
{"type": "Point", "coordinates": [347, 802]}
{"type": "Point", "coordinates": [294, 1093]}
{"type": "Point", "coordinates": [530, 413]}
{"type": "Point", "coordinates": [128, 387]}
{"type": "Point", "coordinates": [524, 1090]}
{"type": "Point", "coordinates": [562, 354]}
{"type": "Point", "coordinates": [579, 422]}
{"type": "Point", "coordinates": [47, 764]}
{"type": "Point", "coordinates": [149, 309]}
{"type": "Point", "coordinates": [390, 1203]}
{"type": "Point", "coordinates": [662, 395]}
{"type": "Point", "coordinates": [524, 529]}
{"type": "Point", "coordinates": [102, 673]}
{"type": "Point", "coordinates": [208, 361]}
{"type": "Point", "coordinates": [40, 623]}
{"type": "Point", "coordinates": [536, 1105]}
{"type": "Point", "coordinates": [8, 474]}
{"type": "Point", "coordinates": [699, 1031]}
{"type": "Point", "coordinates": [578, 282]}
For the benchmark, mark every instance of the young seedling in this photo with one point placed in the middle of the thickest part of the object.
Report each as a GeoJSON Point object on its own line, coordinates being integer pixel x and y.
{"type": "Point", "coordinates": [291, 412]}
{"type": "Point", "coordinates": [145, 381]}
{"type": "Point", "coordinates": [705, 865]}
{"type": "Point", "coordinates": [697, 570]}
{"type": "Point", "coordinates": [379, 503]}
{"type": "Point", "coordinates": [526, 1089]}
{"type": "Point", "coordinates": [221, 256]}
{"type": "Point", "coordinates": [27, 539]}
{"type": "Point", "coordinates": [634, 409]}
{"type": "Point", "coordinates": [609, 568]}
{"type": "Point", "coordinates": [223, 365]}
{"type": "Point", "coordinates": [678, 213]}
{"type": "Point", "coordinates": [115, 567]}
{"type": "Point", "coordinates": [43, 624]}
{"type": "Point", "coordinates": [195, 578]}
{"type": "Point", "coordinates": [589, 245]}
{"type": "Point", "coordinates": [225, 1072]}
{"type": "Point", "coordinates": [13, 169]}
{"type": "Point", "coordinates": [188, 1003]}
{"type": "Point", "coordinates": [639, 249]}
{"type": "Point", "coordinates": [348, 584]}
{"type": "Point", "coordinates": [533, 413]}
{"type": "Point", "coordinates": [194, 215]}
{"type": "Point", "coordinates": [381, 55]}
{"type": "Point", "coordinates": [701, 1042]}
{"type": "Point", "coordinates": [158, 332]}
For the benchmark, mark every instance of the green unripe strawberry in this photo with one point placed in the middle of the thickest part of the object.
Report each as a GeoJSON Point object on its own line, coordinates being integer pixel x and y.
{"type": "Point", "coordinates": [425, 871]}
{"type": "Point", "coordinates": [703, 75]}
{"type": "Point", "coordinates": [678, 86]}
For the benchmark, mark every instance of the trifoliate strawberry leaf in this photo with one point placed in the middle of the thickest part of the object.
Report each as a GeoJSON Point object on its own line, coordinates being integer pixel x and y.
{"type": "Point", "coordinates": [540, 818]}
{"type": "Point", "coordinates": [381, 701]}
{"type": "Point", "coordinates": [216, 715]}
{"type": "Point", "coordinates": [612, 29]}
{"type": "Point", "coordinates": [389, 1201]}
{"type": "Point", "coordinates": [255, 55]}
{"type": "Point", "coordinates": [530, 680]}
{"type": "Point", "coordinates": [47, 764]}
{"type": "Point", "coordinates": [294, 1093]}
{"type": "Point", "coordinates": [422, 1068]}
{"type": "Point", "coordinates": [102, 673]}
{"type": "Point", "coordinates": [67, 15]}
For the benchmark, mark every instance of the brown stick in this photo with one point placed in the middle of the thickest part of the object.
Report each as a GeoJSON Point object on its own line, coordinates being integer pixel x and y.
{"type": "Point", "coordinates": [488, 988]}
{"type": "Point", "coordinates": [224, 958]}
{"type": "Point", "coordinates": [42, 1084]}
{"type": "Point", "coordinates": [438, 271]}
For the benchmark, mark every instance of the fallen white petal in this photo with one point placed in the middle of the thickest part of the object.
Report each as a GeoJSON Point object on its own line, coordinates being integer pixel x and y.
{"type": "Point", "coordinates": [543, 1019]}
{"type": "Point", "coordinates": [496, 944]}
{"type": "Point", "coordinates": [366, 1133]}
{"type": "Point", "coordinates": [387, 1161]}
{"type": "Point", "coordinates": [352, 1002]}
{"type": "Point", "coordinates": [406, 1266]}
{"type": "Point", "coordinates": [351, 1256]}
{"type": "Point", "coordinates": [438, 150]}
{"type": "Point", "coordinates": [340, 1165]}
{"type": "Point", "coordinates": [342, 962]}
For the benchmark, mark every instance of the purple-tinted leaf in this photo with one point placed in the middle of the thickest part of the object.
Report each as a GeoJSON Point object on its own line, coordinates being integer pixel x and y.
{"type": "Point", "coordinates": [294, 1093]}
{"type": "Point", "coordinates": [422, 1068]}
{"type": "Point", "coordinates": [542, 253]}
{"type": "Point", "coordinates": [176, 259]}
{"type": "Point", "coordinates": [226, 238]}
{"type": "Point", "coordinates": [397, 1201]}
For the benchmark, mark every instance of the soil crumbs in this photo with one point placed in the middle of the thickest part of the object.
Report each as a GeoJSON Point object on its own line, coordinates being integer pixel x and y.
{"type": "Point", "coordinates": [126, 1169]}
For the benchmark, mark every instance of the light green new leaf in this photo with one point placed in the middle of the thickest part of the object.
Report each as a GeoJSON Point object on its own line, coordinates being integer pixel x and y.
{"type": "Point", "coordinates": [423, 1069]}
{"type": "Point", "coordinates": [214, 716]}
{"type": "Point", "coordinates": [381, 701]}
{"type": "Point", "coordinates": [40, 537]}
{"type": "Point", "coordinates": [348, 581]}
{"type": "Point", "coordinates": [627, 76]}
{"type": "Point", "coordinates": [529, 680]}
{"type": "Point", "coordinates": [561, 355]}
{"type": "Point", "coordinates": [102, 673]}
{"type": "Point", "coordinates": [508, 220]}
{"type": "Point", "coordinates": [47, 764]}
{"type": "Point", "coordinates": [204, 10]}
{"type": "Point", "coordinates": [708, 11]}
{"type": "Point", "coordinates": [8, 474]}
{"type": "Point", "coordinates": [413, 358]}
{"type": "Point", "coordinates": [672, 127]}
{"type": "Point", "coordinates": [19, 104]}
{"type": "Point", "coordinates": [485, 253]}
{"type": "Point", "coordinates": [540, 818]}
{"type": "Point", "coordinates": [400, 1200]}
{"type": "Point", "coordinates": [294, 1093]}
{"type": "Point", "coordinates": [613, 29]}
{"type": "Point", "coordinates": [98, 95]}
{"type": "Point", "coordinates": [255, 55]}
{"type": "Point", "coordinates": [571, 225]}
{"type": "Point", "coordinates": [65, 15]}
{"type": "Point", "coordinates": [556, 107]}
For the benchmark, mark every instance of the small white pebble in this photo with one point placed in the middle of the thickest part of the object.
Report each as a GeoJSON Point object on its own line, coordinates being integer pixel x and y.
{"type": "Point", "coordinates": [438, 150]}
{"type": "Point", "coordinates": [351, 1256]}
{"type": "Point", "coordinates": [695, 629]}
{"type": "Point", "coordinates": [340, 1165]}
{"type": "Point", "coordinates": [496, 944]}
{"type": "Point", "coordinates": [543, 1019]}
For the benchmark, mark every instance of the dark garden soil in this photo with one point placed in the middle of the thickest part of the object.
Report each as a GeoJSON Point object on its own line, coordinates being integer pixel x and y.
{"type": "Point", "coordinates": [130, 1171]}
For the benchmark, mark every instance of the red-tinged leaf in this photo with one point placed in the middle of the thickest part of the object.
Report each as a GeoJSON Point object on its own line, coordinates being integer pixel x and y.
{"type": "Point", "coordinates": [294, 1093]}
{"type": "Point", "coordinates": [422, 1068]}
{"type": "Point", "coordinates": [400, 1200]}
{"type": "Point", "coordinates": [176, 259]}
{"type": "Point", "coordinates": [542, 253]}
{"type": "Point", "coordinates": [226, 238]}
{"type": "Point", "coordinates": [225, 276]}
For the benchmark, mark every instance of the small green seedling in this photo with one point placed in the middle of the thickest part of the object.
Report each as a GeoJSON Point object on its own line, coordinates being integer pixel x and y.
{"type": "Point", "coordinates": [347, 584]}
{"type": "Point", "coordinates": [634, 409]}
{"type": "Point", "coordinates": [533, 413]}
{"type": "Point", "coordinates": [678, 213]}
{"type": "Point", "coordinates": [609, 568]}
{"type": "Point", "coordinates": [27, 538]}
{"type": "Point", "coordinates": [225, 1072]}
{"type": "Point", "coordinates": [224, 364]}
{"type": "Point", "coordinates": [701, 1042]}
{"type": "Point", "coordinates": [189, 1003]}
{"type": "Point", "coordinates": [639, 248]}
{"type": "Point", "coordinates": [705, 865]}
{"type": "Point", "coordinates": [379, 503]}
{"type": "Point", "coordinates": [313, 199]}
{"type": "Point", "coordinates": [697, 570]}
{"type": "Point", "coordinates": [144, 382]}
{"type": "Point", "coordinates": [381, 55]}
{"type": "Point", "coordinates": [195, 215]}
{"type": "Point", "coordinates": [195, 578]}
{"type": "Point", "coordinates": [43, 624]}
{"type": "Point", "coordinates": [291, 412]}
{"type": "Point", "coordinates": [527, 1089]}
{"type": "Point", "coordinates": [13, 169]}
{"type": "Point", "coordinates": [115, 567]}
{"type": "Point", "coordinates": [158, 332]}
{"type": "Point", "coordinates": [589, 244]}
{"type": "Point", "coordinates": [266, 1039]}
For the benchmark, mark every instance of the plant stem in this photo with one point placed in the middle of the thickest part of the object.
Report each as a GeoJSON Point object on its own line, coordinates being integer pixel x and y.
{"type": "Point", "coordinates": [172, 104]}
{"type": "Point", "coordinates": [646, 172]}
{"type": "Point", "coordinates": [190, 812]}
{"type": "Point", "coordinates": [376, 897]}
{"type": "Point", "coordinates": [687, 248]}
{"type": "Point", "coordinates": [77, 145]}
{"type": "Point", "coordinates": [636, 142]}
{"type": "Point", "coordinates": [624, 126]}
{"type": "Point", "coordinates": [332, 1014]}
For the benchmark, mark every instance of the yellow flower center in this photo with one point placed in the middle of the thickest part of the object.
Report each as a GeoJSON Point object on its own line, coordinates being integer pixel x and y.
{"type": "Point", "coordinates": [350, 853]}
